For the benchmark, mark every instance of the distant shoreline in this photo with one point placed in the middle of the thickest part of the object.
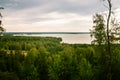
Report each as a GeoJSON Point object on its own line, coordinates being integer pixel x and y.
{"type": "Point", "coordinates": [29, 33]}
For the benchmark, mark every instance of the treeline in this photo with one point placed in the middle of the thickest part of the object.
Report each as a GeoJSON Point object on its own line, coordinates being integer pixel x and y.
{"type": "Point", "coordinates": [46, 58]}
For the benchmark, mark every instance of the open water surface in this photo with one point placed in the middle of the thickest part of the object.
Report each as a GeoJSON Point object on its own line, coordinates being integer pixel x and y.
{"type": "Point", "coordinates": [69, 38]}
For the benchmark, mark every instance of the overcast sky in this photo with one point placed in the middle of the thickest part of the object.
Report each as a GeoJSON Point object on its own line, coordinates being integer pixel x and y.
{"type": "Point", "coordinates": [52, 15]}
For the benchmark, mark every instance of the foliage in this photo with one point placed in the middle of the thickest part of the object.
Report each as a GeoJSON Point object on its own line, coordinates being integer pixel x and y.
{"type": "Point", "coordinates": [45, 58]}
{"type": "Point", "coordinates": [1, 26]}
{"type": "Point", "coordinates": [98, 30]}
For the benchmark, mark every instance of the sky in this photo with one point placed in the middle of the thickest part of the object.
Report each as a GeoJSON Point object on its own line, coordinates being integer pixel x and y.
{"type": "Point", "coordinates": [52, 15]}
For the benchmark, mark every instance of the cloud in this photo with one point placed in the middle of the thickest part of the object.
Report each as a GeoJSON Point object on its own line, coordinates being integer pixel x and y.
{"type": "Point", "coordinates": [53, 21]}
{"type": "Point", "coordinates": [51, 15]}
{"type": "Point", "coordinates": [71, 6]}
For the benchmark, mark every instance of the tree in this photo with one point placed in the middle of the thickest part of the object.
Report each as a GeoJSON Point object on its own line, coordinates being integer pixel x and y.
{"type": "Point", "coordinates": [41, 63]}
{"type": "Point", "coordinates": [108, 40]}
{"type": "Point", "coordinates": [55, 67]}
{"type": "Point", "coordinates": [115, 30]}
{"type": "Point", "coordinates": [30, 70]}
{"type": "Point", "coordinates": [100, 34]}
{"type": "Point", "coordinates": [98, 29]}
{"type": "Point", "coordinates": [1, 27]}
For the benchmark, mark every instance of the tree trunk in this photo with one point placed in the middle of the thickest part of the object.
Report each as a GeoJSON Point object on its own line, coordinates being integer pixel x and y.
{"type": "Point", "coordinates": [109, 76]}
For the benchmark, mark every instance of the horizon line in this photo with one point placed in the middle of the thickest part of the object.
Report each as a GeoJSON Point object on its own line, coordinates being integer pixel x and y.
{"type": "Point", "coordinates": [46, 32]}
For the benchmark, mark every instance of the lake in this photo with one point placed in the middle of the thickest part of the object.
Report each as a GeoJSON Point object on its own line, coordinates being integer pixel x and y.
{"type": "Point", "coordinates": [69, 38]}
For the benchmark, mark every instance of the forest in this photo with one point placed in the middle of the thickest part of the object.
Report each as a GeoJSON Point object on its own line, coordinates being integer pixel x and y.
{"type": "Point", "coordinates": [46, 58]}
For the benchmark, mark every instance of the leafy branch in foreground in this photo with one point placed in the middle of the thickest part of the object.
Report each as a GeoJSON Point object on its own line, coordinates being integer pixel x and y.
{"type": "Point", "coordinates": [98, 30]}
{"type": "Point", "coordinates": [1, 26]}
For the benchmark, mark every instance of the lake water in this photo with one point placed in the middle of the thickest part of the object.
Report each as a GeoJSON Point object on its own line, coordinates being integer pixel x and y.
{"type": "Point", "coordinates": [69, 38]}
